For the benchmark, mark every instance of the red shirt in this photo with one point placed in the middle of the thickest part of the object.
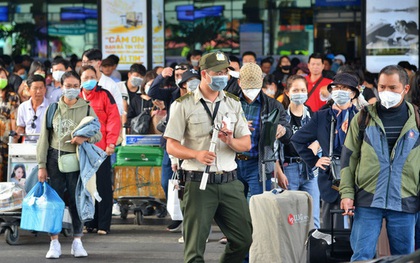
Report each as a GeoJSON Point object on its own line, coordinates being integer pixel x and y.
{"type": "Point", "coordinates": [314, 101]}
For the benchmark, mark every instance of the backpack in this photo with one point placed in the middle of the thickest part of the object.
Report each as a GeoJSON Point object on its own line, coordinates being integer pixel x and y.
{"type": "Point", "coordinates": [364, 118]}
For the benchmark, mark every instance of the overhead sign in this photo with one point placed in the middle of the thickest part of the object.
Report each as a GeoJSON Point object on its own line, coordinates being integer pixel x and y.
{"type": "Point", "coordinates": [124, 31]}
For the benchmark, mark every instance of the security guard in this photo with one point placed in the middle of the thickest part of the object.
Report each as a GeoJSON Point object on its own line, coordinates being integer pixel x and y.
{"type": "Point", "coordinates": [192, 119]}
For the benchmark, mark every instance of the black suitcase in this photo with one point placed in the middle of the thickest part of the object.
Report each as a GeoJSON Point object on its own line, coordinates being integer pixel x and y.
{"type": "Point", "coordinates": [318, 249]}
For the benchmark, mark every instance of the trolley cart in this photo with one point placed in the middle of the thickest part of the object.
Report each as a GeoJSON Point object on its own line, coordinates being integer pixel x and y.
{"type": "Point", "coordinates": [137, 177]}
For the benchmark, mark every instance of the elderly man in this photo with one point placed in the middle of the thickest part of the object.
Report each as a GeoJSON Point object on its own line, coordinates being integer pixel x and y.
{"type": "Point", "coordinates": [31, 112]}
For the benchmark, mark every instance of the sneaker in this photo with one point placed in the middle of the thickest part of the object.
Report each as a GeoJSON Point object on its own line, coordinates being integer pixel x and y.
{"type": "Point", "coordinates": [116, 209]}
{"type": "Point", "coordinates": [55, 249]}
{"type": "Point", "coordinates": [175, 226]}
{"type": "Point", "coordinates": [77, 249]}
{"type": "Point", "coordinates": [181, 240]}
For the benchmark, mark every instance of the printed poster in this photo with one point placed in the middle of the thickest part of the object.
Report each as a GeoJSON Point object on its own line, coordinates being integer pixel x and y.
{"type": "Point", "coordinates": [124, 31]}
{"type": "Point", "coordinates": [158, 33]}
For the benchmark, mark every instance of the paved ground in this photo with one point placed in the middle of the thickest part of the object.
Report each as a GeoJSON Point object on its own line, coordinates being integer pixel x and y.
{"type": "Point", "coordinates": [127, 242]}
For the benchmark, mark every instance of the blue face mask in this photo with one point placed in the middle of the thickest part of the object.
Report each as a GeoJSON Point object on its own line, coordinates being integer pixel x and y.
{"type": "Point", "coordinates": [340, 97]}
{"type": "Point", "coordinates": [23, 76]}
{"type": "Point", "coordinates": [89, 85]}
{"type": "Point", "coordinates": [218, 83]}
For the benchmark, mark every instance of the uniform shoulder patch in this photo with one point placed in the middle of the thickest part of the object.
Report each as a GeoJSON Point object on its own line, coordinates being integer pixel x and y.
{"type": "Point", "coordinates": [180, 99]}
{"type": "Point", "coordinates": [230, 95]}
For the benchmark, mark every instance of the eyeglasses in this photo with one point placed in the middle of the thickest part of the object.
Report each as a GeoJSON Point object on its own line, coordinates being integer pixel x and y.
{"type": "Point", "coordinates": [33, 125]}
{"type": "Point", "coordinates": [182, 67]}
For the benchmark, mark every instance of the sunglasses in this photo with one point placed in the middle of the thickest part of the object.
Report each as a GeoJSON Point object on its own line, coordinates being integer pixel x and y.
{"type": "Point", "coordinates": [182, 67]}
{"type": "Point", "coordinates": [33, 125]}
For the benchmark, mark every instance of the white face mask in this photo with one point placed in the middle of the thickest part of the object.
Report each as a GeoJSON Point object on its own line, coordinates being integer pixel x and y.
{"type": "Point", "coordinates": [146, 88]}
{"type": "Point", "coordinates": [234, 74]}
{"type": "Point", "coordinates": [298, 98]}
{"type": "Point", "coordinates": [251, 93]}
{"type": "Point", "coordinates": [270, 92]}
{"type": "Point", "coordinates": [177, 81]}
{"type": "Point", "coordinates": [57, 75]}
{"type": "Point", "coordinates": [194, 63]}
{"type": "Point", "coordinates": [193, 84]}
{"type": "Point", "coordinates": [389, 99]}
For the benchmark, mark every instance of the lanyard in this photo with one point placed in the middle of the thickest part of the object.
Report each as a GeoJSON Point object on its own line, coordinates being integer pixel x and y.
{"type": "Point", "coordinates": [216, 109]}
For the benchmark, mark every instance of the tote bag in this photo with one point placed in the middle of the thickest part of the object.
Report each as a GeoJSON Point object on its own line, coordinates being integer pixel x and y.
{"type": "Point", "coordinates": [173, 205]}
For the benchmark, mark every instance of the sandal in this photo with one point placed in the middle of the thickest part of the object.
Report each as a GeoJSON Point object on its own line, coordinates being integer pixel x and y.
{"type": "Point", "coordinates": [102, 232]}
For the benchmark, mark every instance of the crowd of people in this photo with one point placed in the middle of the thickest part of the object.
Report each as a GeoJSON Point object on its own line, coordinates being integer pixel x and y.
{"type": "Point", "coordinates": [319, 103]}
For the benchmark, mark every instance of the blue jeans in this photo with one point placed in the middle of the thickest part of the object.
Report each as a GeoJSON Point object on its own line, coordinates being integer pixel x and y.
{"type": "Point", "coordinates": [296, 175]}
{"type": "Point", "coordinates": [367, 226]}
{"type": "Point", "coordinates": [248, 174]}
{"type": "Point", "coordinates": [166, 172]}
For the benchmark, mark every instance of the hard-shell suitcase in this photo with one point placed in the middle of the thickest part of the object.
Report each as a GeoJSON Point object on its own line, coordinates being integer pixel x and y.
{"type": "Point", "coordinates": [139, 156]}
{"type": "Point", "coordinates": [281, 221]}
{"type": "Point", "coordinates": [329, 245]}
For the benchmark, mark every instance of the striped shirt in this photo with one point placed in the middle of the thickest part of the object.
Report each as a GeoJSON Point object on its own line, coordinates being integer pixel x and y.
{"type": "Point", "coordinates": [393, 120]}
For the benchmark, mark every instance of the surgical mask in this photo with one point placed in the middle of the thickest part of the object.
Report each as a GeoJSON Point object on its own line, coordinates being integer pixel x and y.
{"type": "Point", "coordinates": [234, 74]}
{"type": "Point", "coordinates": [194, 63]}
{"type": "Point", "coordinates": [77, 69]}
{"type": "Point", "coordinates": [23, 76]}
{"type": "Point", "coordinates": [218, 83]}
{"type": "Point", "coordinates": [389, 99]}
{"type": "Point", "coordinates": [40, 74]}
{"type": "Point", "coordinates": [71, 94]}
{"type": "Point", "coordinates": [340, 97]}
{"type": "Point", "coordinates": [193, 84]}
{"type": "Point", "coordinates": [286, 68]}
{"type": "Point", "coordinates": [136, 81]}
{"type": "Point", "coordinates": [89, 84]}
{"type": "Point", "coordinates": [3, 83]}
{"type": "Point", "coordinates": [146, 88]}
{"type": "Point", "coordinates": [251, 94]}
{"type": "Point", "coordinates": [270, 92]}
{"type": "Point", "coordinates": [298, 98]}
{"type": "Point", "coordinates": [177, 81]}
{"type": "Point", "coordinates": [57, 75]}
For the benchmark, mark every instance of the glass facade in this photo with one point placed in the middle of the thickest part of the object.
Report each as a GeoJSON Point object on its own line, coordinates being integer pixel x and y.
{"type": "Point", "coordinates": [49, 28]}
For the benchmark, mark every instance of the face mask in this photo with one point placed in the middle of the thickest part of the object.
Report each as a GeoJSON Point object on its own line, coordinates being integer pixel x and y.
{"type": "Point", "coordinates": [57, 75]}
{"type": "Point", "coordinates": [23, 76]}
{"type": "Point", "coordinates": [251, 93]}
{"type": "Point", "coordinates": [71, 94]}
{"type": "Point", "coordinates": [298, 98]}
{"type": "Point", "coordinates": [340, 97]}
{"type": "Point", "coordinates": [3, 83]}
{"type": "Point", "coordinates": [40, 74]}
{"type": "Point", "coordinates": [193, 84]}
{"type": "Point", "coordinates": [218, 83]}
{"type": "Point", "coordinates": [146, 88]}
{"type": "Point", "coordinates": [89, 84]}
{"type": "Point", "coordinates": [77, 69]}
{"type": "Point", "coordinates": [136, 81]}
{"type": "Point", "coordinates": [285, 68]}
{"type": "Point", "coordinates": [194, 63]}
{"type": "Point", "coordinates": [270, 92]}
{"type": "Point", "coordinates": [177, 81]}
{"type": "Point", "coordinates": [234, 74]}
{"type": "Point", "coordinates": [389, 99]}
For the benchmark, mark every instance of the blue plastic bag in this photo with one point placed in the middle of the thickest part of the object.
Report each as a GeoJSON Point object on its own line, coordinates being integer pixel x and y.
{"type": "Point", "coordinates": [42, 210]}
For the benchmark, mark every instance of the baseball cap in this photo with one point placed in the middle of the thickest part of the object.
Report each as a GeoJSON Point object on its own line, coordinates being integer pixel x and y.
{"type": "Point", "coordinates": [251, 76]}
{"type": "Point", "coordinates": [215, 61]}
{"type": "Point", "coordinates": [345, 79]}
{"type": "Point", "coordinates": [341, 57]}
{"type": "Point", "coordinates": [192, 73]}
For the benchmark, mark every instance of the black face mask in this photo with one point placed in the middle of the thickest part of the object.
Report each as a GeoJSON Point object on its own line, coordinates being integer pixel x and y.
{"type": "Point", "coordinates": [285, 68]}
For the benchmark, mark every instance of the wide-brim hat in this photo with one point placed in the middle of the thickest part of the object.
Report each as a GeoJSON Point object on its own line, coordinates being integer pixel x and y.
{"type": "Point", "coordinates": [215, 61]}
{"type": "Point", "coordinates": [346, 79]}
{"type": "Point", "coordinates": [187, 75]}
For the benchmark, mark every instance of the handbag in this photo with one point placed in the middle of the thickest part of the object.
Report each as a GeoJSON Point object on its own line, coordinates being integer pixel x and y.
{"type": "Point", "coordinates": [42, 210]}
{"type": "Point", "coordinates": [173, 205]}
{"type": "Point", "coordinates": [335, 165]}
{"type": "Point", "coordinates": [67, 163]}
{"type": "Point", "coordinates": [141, 123]}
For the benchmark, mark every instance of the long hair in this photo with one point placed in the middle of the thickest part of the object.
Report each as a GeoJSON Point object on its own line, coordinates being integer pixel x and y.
{"type": "Point", "coordinates": [289, 83]}
{"type": "Point", "coordinates": [17, 166]}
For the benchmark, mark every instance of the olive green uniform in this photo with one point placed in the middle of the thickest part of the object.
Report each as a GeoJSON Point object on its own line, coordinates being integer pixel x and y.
{"type": "Point", "coordinates": [190, 124]}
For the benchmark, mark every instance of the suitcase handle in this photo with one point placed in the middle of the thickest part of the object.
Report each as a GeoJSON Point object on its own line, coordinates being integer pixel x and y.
{"type": "Point", "coordinates": [332, 213]}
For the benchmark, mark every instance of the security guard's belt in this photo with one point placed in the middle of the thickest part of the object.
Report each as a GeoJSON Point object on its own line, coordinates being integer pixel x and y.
{"type": "Point", "coordinates": [214, 177]}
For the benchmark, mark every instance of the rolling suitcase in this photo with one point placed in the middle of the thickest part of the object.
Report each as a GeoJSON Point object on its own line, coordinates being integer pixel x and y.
{"type": "Point", "coordinates": [329, 245]}
{"type": "Point", "coordinates": [281, 221]}
{"type": "Point", "coordinates": [139, 156]}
